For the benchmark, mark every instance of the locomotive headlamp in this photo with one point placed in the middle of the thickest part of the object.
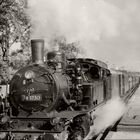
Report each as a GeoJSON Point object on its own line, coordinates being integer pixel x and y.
{"type": "Point", "coordinates": [29, 74]}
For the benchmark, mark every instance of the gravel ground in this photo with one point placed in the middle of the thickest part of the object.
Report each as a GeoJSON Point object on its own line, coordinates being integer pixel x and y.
{"type": "Point", "coordinates": [123, 136]}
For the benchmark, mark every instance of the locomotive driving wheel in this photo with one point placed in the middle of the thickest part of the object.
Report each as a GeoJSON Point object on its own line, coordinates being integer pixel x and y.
{"type": "Point", "coordinates": [78, 133]}
{"type": "Point", "coordinates": [79, 129]}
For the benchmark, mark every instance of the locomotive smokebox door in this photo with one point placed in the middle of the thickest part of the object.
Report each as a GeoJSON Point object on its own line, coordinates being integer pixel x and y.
{"type": "Point", "coordinates": [37, 46]}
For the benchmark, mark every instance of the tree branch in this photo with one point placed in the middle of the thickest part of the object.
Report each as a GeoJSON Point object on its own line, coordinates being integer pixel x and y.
{"type": "Point", "coordinates": [1, 1]}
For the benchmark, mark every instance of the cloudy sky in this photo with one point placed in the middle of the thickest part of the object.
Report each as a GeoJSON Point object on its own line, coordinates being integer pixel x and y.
{"type": "Point", "coordinates": [108, 30]}
{"type": "Point", "coordinates": [124, 48]}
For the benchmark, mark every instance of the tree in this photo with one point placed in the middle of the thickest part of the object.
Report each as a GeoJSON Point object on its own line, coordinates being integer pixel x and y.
{"type": "Point", "coordinates": [14, 24]}
{"type": "Point", "coordinates": [70, 49]}
{"type": "Point", "coordinates": [14, 27]}
{"type": "Point", "coordinates": [18, 60]}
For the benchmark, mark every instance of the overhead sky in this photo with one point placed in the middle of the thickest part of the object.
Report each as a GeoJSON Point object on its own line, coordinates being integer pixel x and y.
{"type": "Point", "coordinates": [124, 48]}
{"type": "Point", "coordinates": [108, 30]}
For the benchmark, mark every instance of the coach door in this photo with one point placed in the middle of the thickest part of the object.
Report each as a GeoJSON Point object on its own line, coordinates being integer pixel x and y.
{"type": "Point", "coordinates": [121, 84]}
{"type": "Point", "coordinates": [107, 84]}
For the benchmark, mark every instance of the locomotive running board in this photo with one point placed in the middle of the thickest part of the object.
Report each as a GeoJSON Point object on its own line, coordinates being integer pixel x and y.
{"type": "Point", "coordinates": [64, 114]}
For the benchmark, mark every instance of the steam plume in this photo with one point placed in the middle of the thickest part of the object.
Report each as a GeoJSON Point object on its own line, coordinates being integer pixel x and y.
{"type": "Point", "coordinates": [76, 20]}
{"type": "Point", "coordinates": [106, 116]}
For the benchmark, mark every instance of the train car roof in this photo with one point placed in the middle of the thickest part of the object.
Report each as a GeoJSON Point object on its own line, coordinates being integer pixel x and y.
{"type": "Point", "coordinates": [92, 61]}
{"type": "Point", "coordinates": [115, 71]}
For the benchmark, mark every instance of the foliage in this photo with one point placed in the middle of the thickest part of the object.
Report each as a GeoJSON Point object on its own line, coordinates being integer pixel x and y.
{"type": "Point", "coordinates": [14, 27]}
{"type": "Point", "coordinates": [70, 49]}
{"type": "Point", "coordinates": [19, 59]}
{"type": "Point", "coordinates": [3, 73]}
{"type": "Point", "coordinates": [14, 24]}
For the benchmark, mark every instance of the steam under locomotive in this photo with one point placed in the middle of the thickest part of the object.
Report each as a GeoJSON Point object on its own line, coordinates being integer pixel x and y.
{"type": "Point", "coordinates": [59, 94]}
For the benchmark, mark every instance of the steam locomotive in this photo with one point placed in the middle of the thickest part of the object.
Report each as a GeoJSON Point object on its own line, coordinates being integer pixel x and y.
{"type": "Point", "coordinates": [59, 95]}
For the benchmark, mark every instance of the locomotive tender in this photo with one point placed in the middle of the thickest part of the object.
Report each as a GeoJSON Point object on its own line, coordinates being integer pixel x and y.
{"type": "Point", "coordinates": [59, 94]}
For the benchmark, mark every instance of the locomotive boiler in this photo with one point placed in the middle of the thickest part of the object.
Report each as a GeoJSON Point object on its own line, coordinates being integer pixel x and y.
{"type": "Point", "coordinates": [59, 94]}
{"type": "Point", "coordinates": [37, 87]}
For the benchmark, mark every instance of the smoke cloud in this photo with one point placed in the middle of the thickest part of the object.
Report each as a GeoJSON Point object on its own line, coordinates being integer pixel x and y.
{"type": "Point", "coordinates": [106, 116]}
{"type": "Point", "coordinates": [80, 20]}
{"type": "Point", "coordinates": [105, 28]}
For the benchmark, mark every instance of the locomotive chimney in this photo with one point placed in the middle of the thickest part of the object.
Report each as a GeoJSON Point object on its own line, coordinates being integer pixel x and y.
{"type": "Point", "coordinates": [37, 47]}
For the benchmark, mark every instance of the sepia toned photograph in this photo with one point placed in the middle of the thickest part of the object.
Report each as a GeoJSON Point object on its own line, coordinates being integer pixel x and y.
{"type": "Point", "coordinates": [69, 69]}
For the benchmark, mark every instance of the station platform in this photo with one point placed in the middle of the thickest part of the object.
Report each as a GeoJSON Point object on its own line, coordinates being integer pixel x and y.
{"type": "Point", "coordinates": [129, 126]}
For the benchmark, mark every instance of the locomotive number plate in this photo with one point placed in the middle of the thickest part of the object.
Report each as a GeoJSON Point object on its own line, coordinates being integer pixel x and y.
{"type": "Point", "coordinates": [30, 98]}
